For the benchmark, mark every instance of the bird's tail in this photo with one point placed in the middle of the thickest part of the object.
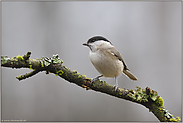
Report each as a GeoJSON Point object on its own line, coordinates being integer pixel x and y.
{"type": "Point", "coordinates": [129, 74]}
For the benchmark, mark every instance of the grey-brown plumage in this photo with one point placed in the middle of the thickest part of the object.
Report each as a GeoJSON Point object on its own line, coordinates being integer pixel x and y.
{"type": "Point", "coordinates": [126, 71]}
{"type": "Point", "coordinates": [106, 59]}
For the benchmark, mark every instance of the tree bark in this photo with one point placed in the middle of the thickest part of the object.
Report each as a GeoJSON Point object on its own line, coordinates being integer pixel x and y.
{"type": "Point", "coordinates": [146, 97]}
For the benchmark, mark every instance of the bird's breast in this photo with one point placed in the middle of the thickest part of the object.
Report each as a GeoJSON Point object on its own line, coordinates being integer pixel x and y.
{"type": "Point", "coordinates": [106, 63]}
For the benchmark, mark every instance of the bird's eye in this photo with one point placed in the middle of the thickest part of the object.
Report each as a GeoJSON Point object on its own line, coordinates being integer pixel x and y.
{"type": "Point", "coordinates": [93, 40]}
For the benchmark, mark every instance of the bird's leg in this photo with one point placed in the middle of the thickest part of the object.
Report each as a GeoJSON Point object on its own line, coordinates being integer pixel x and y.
{"type": "Point", "coordinates": [116, 85]}
{"type": "Point", "coordinates": [96, 78]}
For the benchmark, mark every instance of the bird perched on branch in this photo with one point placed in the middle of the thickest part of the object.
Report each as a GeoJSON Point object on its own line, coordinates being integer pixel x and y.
{"type": "Point", "coordinates": [106, 59]}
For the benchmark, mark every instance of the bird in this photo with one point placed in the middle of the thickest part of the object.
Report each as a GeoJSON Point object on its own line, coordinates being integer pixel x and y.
{"type": "Point", "coordinates": [107, 60]}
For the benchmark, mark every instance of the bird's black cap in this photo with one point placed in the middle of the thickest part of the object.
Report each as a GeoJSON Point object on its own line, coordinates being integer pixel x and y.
{"type": "Point", "coordinates": [97, 38]}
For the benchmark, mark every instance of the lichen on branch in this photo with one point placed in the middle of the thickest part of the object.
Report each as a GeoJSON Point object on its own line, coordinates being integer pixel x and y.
{"type": "Point", "coordinates": [146, 97]}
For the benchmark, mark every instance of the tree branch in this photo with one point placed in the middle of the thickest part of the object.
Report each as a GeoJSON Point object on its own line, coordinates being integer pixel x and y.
{"type": "Point", "coordinates": [146, 97]}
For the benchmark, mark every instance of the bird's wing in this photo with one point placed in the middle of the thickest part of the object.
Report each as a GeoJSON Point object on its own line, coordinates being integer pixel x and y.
{"type": "Point", "coordinates": [126, 71]}
{"type": "Point", "coordinates": [118, 55]}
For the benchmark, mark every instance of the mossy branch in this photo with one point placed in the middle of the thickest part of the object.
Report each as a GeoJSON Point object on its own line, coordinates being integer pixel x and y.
{"type": "Point", "coordinates": [146, 97]}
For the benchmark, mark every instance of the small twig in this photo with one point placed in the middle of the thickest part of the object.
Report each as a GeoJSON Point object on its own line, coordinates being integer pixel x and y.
{"type": "Point", "coordinates": [26, 57]}
{"type": "Point", "coordinates": [27, 75]}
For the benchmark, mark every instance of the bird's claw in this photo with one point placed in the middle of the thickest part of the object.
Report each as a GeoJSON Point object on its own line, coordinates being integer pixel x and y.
{"type": "Point", "coordinates": [95, 79]}
{"type": "Point", "coordinates": [115, 87]}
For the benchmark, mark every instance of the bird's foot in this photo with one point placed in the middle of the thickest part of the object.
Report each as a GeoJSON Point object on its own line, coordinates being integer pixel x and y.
{"type": "Point", "coordinates": [94, 79]}
{"type": "Point", "coordinates": [115, 87]}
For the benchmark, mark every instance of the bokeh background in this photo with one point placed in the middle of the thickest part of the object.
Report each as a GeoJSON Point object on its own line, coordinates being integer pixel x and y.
{"type": "Point", "coordinates": [147, 34]}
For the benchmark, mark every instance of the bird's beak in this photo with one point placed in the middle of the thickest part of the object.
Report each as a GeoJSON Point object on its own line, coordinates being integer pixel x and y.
{"type": "Point", "coordinates": [85, 44]}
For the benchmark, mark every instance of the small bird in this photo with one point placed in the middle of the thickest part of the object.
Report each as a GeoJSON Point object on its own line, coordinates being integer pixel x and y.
{"type": "Point", "coordinates": [106, 59]}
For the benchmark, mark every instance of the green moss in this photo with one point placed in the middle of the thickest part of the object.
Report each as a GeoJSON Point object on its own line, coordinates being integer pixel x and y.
{"type": "Point", "coordinates": [177, 119]}
{"type": "Point", "coordinates": [173, 120]}
{"type": "Point", "coordinates": [4, 59]}
{"type": "Point", "coordinates": [55, 59]}
{"type": "Point", "coordinates": [84, 76]}
{"type": "Point", "coordinates": [60, 72]}
{"type": "Point", "coordinates": [159, 101]}
{"type": "Point", "coordinates": [30, 67]}
{"type": "Point", "coordinates": [138, 88]}
{"type": "Point", "coordinates": [132, 96]}
{"type": "Point", "coordinates": [79, 76]}
{"type": "Point", "coordinates": [20, 58]}
{"type": "Point", "coordinates": [160, 109]}
{"type": "Point", "coordinates": [96, 83]}
{"type": "Point", "coordinates": [154, 95]}
{"type": "Point", "coordinates": [42, 65]}
{"type": "Point", "coordinates": [139, 95]}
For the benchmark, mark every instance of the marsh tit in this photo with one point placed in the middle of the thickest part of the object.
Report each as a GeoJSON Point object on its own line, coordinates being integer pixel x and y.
{"type": "Point", "coordinates": [106, 59]}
